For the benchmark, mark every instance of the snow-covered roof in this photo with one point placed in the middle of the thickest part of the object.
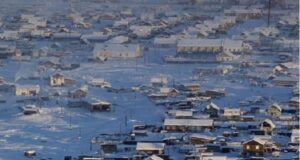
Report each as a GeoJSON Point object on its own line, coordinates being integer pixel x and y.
{"type": "Point", "coordinates": [269, 122]}
{"type": "Point", "coordinates": [116, 48]}
{"type": "Point", "coordinates": [226, 43]}
{"type": "Point", "coordinates": [258, 140]}
{"type": "Point", "coordinates": [180, 113]}
{"type": "Point", "coordinates": [189, 122]}
{"type": "Point", "coordinates": [212, 105]}
{"type": "Point", "coordinates": [232, 112]}
{"type": "Point", "coordinates": [150, 146]}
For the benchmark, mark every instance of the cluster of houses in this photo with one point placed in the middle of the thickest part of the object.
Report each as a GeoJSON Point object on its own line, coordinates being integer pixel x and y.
{"type": "Point", "coordinates": [196, 123]}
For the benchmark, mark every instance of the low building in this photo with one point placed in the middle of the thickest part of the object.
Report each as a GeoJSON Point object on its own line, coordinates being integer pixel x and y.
{"type": "Point", "coordinates": [56, 80]}
{"type": "Point", "coordinates": [192, 87]}
{"type": "Point", "coordinates": [179, 114]}
{"type": "Point", "coordinates": [111, 50]}
{"type": "Point", "coordinates": [294, 102]}
{"type": "Point", "coordinates": [295, 136]}
{"type": "Point", "coordinates": [78, 93]}
{"type": "Point", "coordinates": [27, 90]}
{"type": "Point", "coordinates": [232, 113]}
{"type": "Point", "coordinates": [201, 139]}
{"type": "Point", "coordinates": [226, 56]}
{"type": "Point", "coordinates": [254, 147]}
{"type": "Point", "coordinates": [150, 148]}
{"type": "Point", "coordinates": [212, 109]}
{"type": "Point", "coordinates": [210, 45]}
{"type": "Point", "coordinates": [169, 91]}
{"type": "Point", "coordinates": [184, 125]}
{"type": "Point", "coordinates": [267, 125]}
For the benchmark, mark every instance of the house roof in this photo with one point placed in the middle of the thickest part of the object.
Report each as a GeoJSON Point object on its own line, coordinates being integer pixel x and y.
{"type": "Point", "coordinates": [212, 105]}
{"type": "Point", "coordinates": [258, 140]}
{"type": "Point", "coordinates": [183, 113]}
{"type": "Point", "coordinates": [269, 122]}
{"type": "Point", "coordinates": [150, 146]}
{"type": "Point", "coordinates": [189, 122]}
{"type": "Point", "coordinates": [116, 48]}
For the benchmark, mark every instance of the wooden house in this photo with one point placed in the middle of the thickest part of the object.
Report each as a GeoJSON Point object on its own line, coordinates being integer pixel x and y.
{"type": "Point", "coordinates": [56, 80]}
{"type": "Point", "coordinates": [169, 91]}
{"type": "Point", "coordinates": [201, 139]}
{"type": "Point", "coordinates": [254, 147]}
{"type": "Point", "coordinates": [78, 93]}
{"type": "Point", "coordinates": [192, 87]}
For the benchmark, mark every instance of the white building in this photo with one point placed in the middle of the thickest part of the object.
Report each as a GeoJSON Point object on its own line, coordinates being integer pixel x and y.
{"type": "Point", "coordinates": [210, 45]}
{"type": "Point", "coordinates": [27, 90]}
{"type": "Point", "coordinates": [110, 50]}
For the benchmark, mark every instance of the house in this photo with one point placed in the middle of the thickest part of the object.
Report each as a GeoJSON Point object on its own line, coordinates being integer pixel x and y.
{"type": "Point", "coordinates": [294, 102]}
{"type": "Point", "coordinates": [295, 136]}
{"type": "Point", "coordinates": [192, 87]}
{"type": "Point", "coordinates": [267, 125]}
{"type": "Point", "coordinates": [109, 147]}
{"type": "Point", "coordinates": [78, 93]}
{"type": "Point", "coordinates": [99, 82]}
{"type": "Point", "coordinates": [184, 125]}
{"type": "Point", "coordinates": [218, 92]}
{"type": "Point", "coordinates": [210, 45]}
{"type": "Point", "coordinates": [150, 148]}
{"type": "Point", "coordinates": [212, 109]}
{"type": "Point", "coordinates": [226, 56]}
{"type": "Point", "coordinates": [100, 106]}
{"type": "Point", "coordinates": [27, 90]}
{"type": "Point", "coordinates": [274, 110]}
{"type": "Point", "coordinates": [232, 113]}
{"type": "Point", "coordinates": [254, 147]}
{"type": "Point", "coordinates": [113, 50]}
{"type": "Point", "coordinates": [169, 91]}
{"type": "Point", "coordinates": [56, 80]}
{"type": "Point", "coordinates": [201, 139]}
{"type": "Point", "coordinates": [180, 114]}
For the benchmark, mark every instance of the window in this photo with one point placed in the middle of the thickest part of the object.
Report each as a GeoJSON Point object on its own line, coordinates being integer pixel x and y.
{"type": "Point", "coordinates": [247, 147]}
{"type": "Point", "coordinates": [257, 147]}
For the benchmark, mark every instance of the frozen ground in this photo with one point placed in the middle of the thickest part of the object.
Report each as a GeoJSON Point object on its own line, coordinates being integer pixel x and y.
{"type": "Point", "coordinates": [54, 136]}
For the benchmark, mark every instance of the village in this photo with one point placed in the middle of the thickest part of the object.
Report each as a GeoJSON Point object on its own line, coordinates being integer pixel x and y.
{"type": "Point", "coordinates": [149, 79]}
